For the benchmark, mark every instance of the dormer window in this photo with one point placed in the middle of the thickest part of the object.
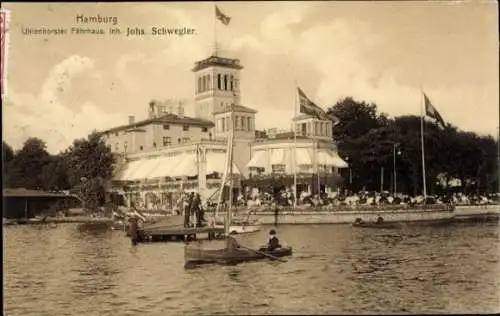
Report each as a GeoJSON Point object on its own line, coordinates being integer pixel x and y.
{"type": "Point", "coordinates": [185, 128]}
{"type": "Point", "coordinates": [166, 127]}
{"type": "Point", "coordinates": [204, 129]}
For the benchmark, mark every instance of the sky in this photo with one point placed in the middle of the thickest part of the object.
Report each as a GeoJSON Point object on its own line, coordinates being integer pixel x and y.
{"type": "Point", "coordinates": [61, 87]}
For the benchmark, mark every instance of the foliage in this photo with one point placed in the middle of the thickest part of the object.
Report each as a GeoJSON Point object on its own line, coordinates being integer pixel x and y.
{"type": "Point", "coordinates": [24, 170]}
{"type": "Point", "coordinates": [370, 142]}
{"type": "Point", "coordinates": [91, 164]}
{"type": "Point", "coordinates": [86, 164]}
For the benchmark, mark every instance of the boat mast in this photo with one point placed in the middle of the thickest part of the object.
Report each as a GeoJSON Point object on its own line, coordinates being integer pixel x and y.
{"type": "Point", "coordinates": [231, 151]}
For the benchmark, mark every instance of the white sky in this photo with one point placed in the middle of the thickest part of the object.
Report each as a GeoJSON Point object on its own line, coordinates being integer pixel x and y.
{"type": "Point", "coordinates": [62, 87]}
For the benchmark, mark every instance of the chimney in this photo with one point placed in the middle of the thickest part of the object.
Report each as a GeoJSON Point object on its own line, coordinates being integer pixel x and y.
{"type": "Point", "coordinates": [152, 106]}
{"type": "Point", "coordinates": [181, 110]}
{"type": "Point", "coordinates": [131, 119]}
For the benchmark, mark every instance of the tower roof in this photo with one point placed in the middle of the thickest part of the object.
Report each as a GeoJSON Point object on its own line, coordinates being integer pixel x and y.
{"type": "Point", "coordinates": [217, 61]}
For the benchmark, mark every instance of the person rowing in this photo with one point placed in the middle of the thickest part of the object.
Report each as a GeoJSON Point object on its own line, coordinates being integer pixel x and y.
{"type": "Point", "coordinates": [232, 244]}
{"type": "Point", "coordinates": [274, 242]}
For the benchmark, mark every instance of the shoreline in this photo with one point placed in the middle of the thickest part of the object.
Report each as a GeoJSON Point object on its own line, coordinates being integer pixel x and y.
{"type": "Point", "coordinates": [58, 220]}
{"type": "Point", "coordinates": [315, 216]}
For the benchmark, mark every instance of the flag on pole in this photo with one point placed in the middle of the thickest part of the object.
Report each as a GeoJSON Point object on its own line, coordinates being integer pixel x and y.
{"type": "Point", "coordinates": [310, 108]}
{"type": "Point", "coordinates": [431, 112]}
{"type": "Point", "coordinates": [221, 16]}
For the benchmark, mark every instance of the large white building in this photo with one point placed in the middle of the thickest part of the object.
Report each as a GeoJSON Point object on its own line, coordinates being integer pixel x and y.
{"type": "Point", "coordinates": [169, 153]}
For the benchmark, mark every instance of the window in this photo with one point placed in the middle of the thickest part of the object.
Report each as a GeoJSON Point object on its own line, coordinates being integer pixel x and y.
{"type": "Point", "coordinates": [199, 84]}
{"type": "Point", "coordinates": [232, 83]}
{"type": "Point", "coordinates": [236, 125]}
{"type": "Point", "coordinates": [167, 141]}
{"type": "Point", "coordinates": [166, 126]}
{"type": "Point", "coordinates": [249, 123]}
{"type": "Point", "coordinates": [116, 133]}
{"type": "Point", "coordinates": [185, 128]}
{"type": "Point", "coordinates": [185, 139]}
{"type": "Point", "coordinates": [225, 82]}
{"type": "Point", "coordinates": [178, 140]}
{"type": "Point", "coordinates": [117, 146]}
{"type": "Point", "coordinates": [203, 84]}
{"type": "Point", "coordinates": [223, 124]}
{"type": "Point", "coordinates": [125, 145]}
{"type": "Point", "coordinates": [242, 123]}
{"type": "Point", "coordinates": [209, 84]}
{"type": "Point", "coordinates": [141, 148]}
{"type": "Point", "coordinates": [204, 129]}
{"type": "Point", "coordinates": [279, 168]}
{"type": "Point", "coordinates": [154, 144]}
{"type": "Point", "coordinates": [219, 82]}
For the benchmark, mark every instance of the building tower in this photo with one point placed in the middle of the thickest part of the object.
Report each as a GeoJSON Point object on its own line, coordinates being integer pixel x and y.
{"type": "Point", "coordinates": [217, 85]}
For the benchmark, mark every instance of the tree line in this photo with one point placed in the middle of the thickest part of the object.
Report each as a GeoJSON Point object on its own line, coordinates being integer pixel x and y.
{"type": "Point", "coordinates": [85, 167]}
{"type": "Point", "coordinates": [369, 141]}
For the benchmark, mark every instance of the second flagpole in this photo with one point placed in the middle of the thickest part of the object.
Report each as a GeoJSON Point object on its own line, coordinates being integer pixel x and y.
{"type": "Point", "coordinates": [294, 125]}
{"type": "Point", "coordinates": [422, 113]}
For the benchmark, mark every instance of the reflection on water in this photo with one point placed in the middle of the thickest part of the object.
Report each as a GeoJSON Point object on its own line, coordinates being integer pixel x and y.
{"type": "Point", "coordinates": [73, 270]}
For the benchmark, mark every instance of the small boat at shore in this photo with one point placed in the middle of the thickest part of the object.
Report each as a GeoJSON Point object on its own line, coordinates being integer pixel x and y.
{"type": "Point", "coordinates": [241, 226]}
{"type": "Point", "coordinates": [196, 257]}
{"type": "Point", "coordinates": [375, 225]}
{"type": "Point", "coordinates": [378, 224]}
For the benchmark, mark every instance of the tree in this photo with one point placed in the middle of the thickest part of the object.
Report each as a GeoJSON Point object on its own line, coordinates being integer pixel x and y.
{"type": "Point", "coordinates": [54, 175]}
{"type": "Point", "coordinates": [27, 165]}
{"type": "Point", "coordinates": [7, 153]}
{"type": "Point", "coordinates": [91, 164]}
{"type": "Point", "coordinates": [7, 157]}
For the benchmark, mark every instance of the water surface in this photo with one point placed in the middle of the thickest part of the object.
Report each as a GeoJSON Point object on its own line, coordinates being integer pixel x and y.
{"type": "Point", "coordinates": [72, 270]}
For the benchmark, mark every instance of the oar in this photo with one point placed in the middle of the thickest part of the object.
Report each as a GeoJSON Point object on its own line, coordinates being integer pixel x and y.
{"type": "Point", "coordinates": [264, 254]}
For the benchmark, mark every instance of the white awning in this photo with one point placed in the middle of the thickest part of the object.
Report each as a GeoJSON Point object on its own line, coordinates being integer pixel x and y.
{"type": "Point", "coordinates": [259, 160]}
{"type": "Point", "coordinates": [131, 168]}
{"type": "Point", "coordinates": [303, 157]}
{"type": "Point", "coordinates": [277, 157]}
{"type": "Point", "coordinates": [165, 166]}
{"type": "Point", "coordinates": [187, 167]}
{"type": "Point", "coordinates": [324, 158]}
{"type": "Point", "coordinates": [145, 169]}
{"type": "Point", "coordinates": [216, 162]}
{"type": "Point", "coordinates": [339, 162]}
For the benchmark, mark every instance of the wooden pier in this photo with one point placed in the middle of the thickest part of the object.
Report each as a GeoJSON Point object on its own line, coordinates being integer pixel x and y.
{"type": "Point", "coordinates": [179, 233]}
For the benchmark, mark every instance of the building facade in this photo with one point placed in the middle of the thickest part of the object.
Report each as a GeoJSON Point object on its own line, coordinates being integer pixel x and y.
{"type": "Point", "coordinates": [169, 153]}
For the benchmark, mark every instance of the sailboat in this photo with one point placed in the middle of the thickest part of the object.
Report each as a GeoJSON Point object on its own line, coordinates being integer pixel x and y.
{"type": "Point", "coordinates": [239, 225]}
{"type": "Point", "coordinates": [195, 256]}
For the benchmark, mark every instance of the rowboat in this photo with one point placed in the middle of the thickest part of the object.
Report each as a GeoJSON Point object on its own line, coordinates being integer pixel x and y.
{"type": "Point", "coordinates": [195, 257]}
{"type": "Point", "coordinates": [232, 253]}
{"type": "Point", "coordinates": [375, 225]}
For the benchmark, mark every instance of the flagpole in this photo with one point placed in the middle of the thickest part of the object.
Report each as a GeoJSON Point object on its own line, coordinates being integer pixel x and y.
{"type": "Point", "coordinates": [317, 162]}
{"type": "Point", "coordinates": [295, 149]}
{"type": "Point", "coordinates": [215, 30]}
{"type": "Point", "coordinates": [423, 147]}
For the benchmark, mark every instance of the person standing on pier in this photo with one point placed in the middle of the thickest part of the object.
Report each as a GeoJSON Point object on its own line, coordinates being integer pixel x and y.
{"type": "Point", "coordinates": [133, 229]}
{"type": "Point", "coordinates": [186, 208]}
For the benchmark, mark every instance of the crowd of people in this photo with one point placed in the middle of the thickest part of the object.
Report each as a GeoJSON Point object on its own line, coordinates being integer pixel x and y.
{"type": "Point", "coordinates": [286, 198]}
{"type": "Point", "coordinates": [190, 206]}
